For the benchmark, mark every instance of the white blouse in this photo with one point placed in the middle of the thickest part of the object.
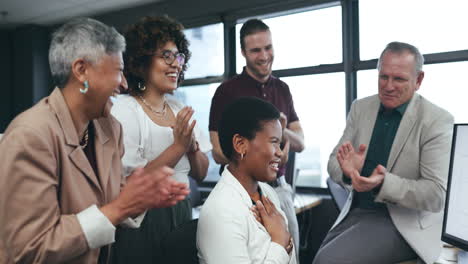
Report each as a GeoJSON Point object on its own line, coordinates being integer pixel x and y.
{"type": "Point", "coordinates": [144, 140]}
{"type": "Point", "coordinates": [229, 233]}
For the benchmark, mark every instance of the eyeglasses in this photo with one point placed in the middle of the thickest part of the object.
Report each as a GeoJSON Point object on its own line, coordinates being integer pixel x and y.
{"type": "Point", "coordinates": [169, 57]}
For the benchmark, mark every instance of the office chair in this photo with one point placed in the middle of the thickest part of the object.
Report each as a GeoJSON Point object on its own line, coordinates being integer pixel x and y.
{"type": "Point", "coordinates": [338, 193]}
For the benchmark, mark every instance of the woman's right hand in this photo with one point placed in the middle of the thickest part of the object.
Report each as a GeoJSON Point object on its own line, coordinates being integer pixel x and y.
{"type": "Point", "coordinates": [273, 221]}
{"type": "Point", "coordinates": [183, 129]}
{"type": "Point", "coordinates": [145, 189]}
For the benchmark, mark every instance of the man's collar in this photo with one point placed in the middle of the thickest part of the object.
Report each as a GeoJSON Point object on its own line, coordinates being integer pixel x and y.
{"type": "Point", "coordinates": [400, 109]}
{"type": "Point", "coordinates": [246, 75]}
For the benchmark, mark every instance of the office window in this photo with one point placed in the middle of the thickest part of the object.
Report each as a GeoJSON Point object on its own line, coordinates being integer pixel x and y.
{"type": "Point", "coordinates": [303, 39]}
{"type": "Point", "coordinates": [319, 101]}
{"type": "Point", "coordinates": [443, 85]}
{"type": "Point", "coordinates": [199, 98]}
{"type": "Point", "coordinates": [367, 83]}
{"type": "Point", "coordinates": [207, 47]}
{"type": "Point", "coordinates": [432, 26]}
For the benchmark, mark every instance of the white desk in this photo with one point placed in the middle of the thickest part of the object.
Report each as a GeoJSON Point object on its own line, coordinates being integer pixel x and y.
{"type": "Point", "coordinates": [303, 202]}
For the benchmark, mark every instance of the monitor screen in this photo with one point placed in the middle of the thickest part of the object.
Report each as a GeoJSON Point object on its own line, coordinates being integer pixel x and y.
{"type": "Point", "coordinates": [455, 229]}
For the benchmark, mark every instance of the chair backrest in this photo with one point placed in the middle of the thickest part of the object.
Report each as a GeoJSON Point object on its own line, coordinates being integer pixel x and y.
{"type": "Point", "coordinates": [338, 193]}
{"type": "Point", "coordinates": [180, 245]}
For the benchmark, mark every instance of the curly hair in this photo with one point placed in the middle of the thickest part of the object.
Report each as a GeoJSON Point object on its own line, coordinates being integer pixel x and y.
{"type": "Point", "coordinates": [143, 39]}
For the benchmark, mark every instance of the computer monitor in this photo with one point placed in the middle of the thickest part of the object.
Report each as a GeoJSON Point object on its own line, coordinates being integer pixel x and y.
{"type": "Point", "coordinates": [455, 228]}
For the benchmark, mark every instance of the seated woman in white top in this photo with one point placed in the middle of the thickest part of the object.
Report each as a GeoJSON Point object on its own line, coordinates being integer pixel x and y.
{"type": "Point", "coordinates": [241, 221]}
{"type": "Point", "coordinates": [157, 130]}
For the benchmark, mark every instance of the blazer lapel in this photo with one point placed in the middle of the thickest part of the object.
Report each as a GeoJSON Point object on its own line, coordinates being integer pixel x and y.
{"type": "Point", "coordinates": [406, 125]}
{"type": "Point", "coordinates": [104, 152]}
{"type": "Point", "coordinates": [79, 159]}
{"type": "Point", "coordinates": [76, 155]}
{"type": "Point", "coordinates": [370, 116]}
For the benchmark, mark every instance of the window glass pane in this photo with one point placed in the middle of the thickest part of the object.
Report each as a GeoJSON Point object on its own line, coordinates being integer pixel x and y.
{"type": "Point", "coordinates": [319, 40]}
{"type": "Point", "coordinates": [366, 83]}
{"type": "Point", "coordinates": [442, 85]}
{"type": "Point", "coordinates": [319, 101]}
{"type": "Point", "coordinates": [207, 47]}
{"type": "Point", "coordinates": [432, 26]}
{"type": "Point", "coordinates": [199, 98]}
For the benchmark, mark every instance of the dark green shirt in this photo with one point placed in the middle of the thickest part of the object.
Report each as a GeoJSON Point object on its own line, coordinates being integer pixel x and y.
{"type": "Point", "coordinates": [385, 129]}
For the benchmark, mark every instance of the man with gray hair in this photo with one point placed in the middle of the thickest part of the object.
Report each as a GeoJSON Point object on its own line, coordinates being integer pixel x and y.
{"type": "Point", "coordinates": [393, 157]}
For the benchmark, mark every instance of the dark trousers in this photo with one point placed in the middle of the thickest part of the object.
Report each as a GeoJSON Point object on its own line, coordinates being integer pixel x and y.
{"type": "Point", "coordinates": [364, 237]}
{"type": "Point", "coordinates": [144, 245]}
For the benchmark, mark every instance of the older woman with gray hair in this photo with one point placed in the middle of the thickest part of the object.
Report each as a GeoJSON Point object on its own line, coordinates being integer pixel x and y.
{"type": "Point", "coordinates": [61, 187]}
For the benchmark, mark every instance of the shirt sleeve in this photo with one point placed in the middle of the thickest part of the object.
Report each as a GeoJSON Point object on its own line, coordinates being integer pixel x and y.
{"type": "Point", "coordinates": [218, 102]}
{"type": "Point", "coordinates": [292, 115]}
{"type": "Point", "coordinates": [133, 126]}
{"type": "Point", "coordinates": [97, 228]}
{"type": "Point", "coordinates": [134, 222]}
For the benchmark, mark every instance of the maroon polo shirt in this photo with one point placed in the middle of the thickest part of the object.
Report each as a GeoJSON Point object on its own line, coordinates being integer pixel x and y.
{"type": "Point", "coordinates": [273, 90]}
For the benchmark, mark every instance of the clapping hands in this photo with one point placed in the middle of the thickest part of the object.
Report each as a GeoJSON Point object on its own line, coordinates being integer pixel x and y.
{"type": "Point", "coordinates": [349, 159]}
{"type": "Point", "coordinates": [351, 163]}
{"type": "Point", "coordinates": [365, 184]}
{"type": "Point", "coordinates": [183, 129]}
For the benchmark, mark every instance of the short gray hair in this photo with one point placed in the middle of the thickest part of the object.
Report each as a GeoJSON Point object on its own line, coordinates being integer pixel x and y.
{"type": "Point", "coordinates": [400, 47]}
{"type": "Point", "coordinates": [81, 38]}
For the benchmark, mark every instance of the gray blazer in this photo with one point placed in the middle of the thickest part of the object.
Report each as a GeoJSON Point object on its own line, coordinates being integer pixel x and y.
{"type": "Point", "coordinates": [414, 186]}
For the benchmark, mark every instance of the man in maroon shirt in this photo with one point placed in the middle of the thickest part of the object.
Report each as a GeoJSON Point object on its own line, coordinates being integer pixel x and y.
{"type": "Point", "coordinates": [256, 80]}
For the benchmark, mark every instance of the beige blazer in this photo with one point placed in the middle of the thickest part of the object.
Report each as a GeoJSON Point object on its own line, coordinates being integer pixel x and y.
{"type": "Point", "coordinates": [415, 184]}
{"type": "Point", "coordinates": [46, 179]}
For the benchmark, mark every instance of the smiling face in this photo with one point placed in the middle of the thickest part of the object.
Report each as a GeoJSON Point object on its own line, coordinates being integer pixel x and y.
{"type": "Point", "coordinates": [263, 153]}
{"type": "Point", "coordinates": [105, 79]}
{"type": "Point", "coordinates": [258, 53]}
{"type": "Point", "coordinates": [398, 79]}
{"type": "Point", "coordinates": [161, 76]}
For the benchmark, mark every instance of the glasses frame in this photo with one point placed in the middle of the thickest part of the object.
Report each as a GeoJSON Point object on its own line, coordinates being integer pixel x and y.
{"type": "Point", "coordinates": [169, 57]}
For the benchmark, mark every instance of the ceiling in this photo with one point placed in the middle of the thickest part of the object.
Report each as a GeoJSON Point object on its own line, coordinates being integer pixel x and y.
{"type": "Point", "coordinates": [48, 12]}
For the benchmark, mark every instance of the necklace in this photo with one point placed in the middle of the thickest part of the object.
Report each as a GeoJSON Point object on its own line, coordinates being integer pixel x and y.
{"type": "Point", "coordinates": [161, 112]}
{"type": "Point", "coordinates": [84, 140]}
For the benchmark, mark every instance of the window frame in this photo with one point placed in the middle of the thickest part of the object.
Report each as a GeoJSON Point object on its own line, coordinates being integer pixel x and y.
{"type": "Point", "coordinates": [350, 64]}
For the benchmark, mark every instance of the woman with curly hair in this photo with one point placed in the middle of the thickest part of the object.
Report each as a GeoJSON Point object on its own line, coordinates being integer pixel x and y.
{"type": "Point", "coordinates": [158, 130]}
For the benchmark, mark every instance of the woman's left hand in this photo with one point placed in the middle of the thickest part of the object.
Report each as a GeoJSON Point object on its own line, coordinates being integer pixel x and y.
{"type": "Point", "coordinates": [183, 129]}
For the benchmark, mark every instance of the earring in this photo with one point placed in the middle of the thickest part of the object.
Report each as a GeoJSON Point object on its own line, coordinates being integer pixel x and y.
{"type": "Point", "coordinates": [242, 156]}
{"type": "Point", "coordinates": [140, 87]}
{"type": "Point", "coordinates": [86, 87]}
